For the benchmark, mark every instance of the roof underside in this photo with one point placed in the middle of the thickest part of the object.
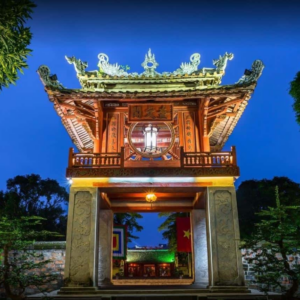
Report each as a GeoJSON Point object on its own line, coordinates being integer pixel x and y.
{"type": "Point", "coordinates": [70, 103]}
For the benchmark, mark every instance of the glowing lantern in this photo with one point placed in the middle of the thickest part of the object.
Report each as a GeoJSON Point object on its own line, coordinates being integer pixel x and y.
{"type": "Point", "coordinates": [150, 138]}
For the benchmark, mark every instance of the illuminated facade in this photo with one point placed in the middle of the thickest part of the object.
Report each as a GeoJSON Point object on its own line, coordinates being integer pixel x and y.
{"type": "Point", "coordinates": [152, 133]}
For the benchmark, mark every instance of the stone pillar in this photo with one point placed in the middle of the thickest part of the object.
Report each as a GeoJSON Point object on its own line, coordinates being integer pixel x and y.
{"type": "Point", "coordinates": [198, 221]}
{"type": "Point", "coordinates": [224, 256]}
{"type": "Point", "coordinates": [105, 247]}
{"type": "Point", "coordinates": [81, 254]}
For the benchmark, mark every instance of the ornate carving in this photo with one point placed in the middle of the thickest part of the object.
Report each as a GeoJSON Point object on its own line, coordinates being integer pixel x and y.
{"type": "Point", "coordinates": [149, 65]}
{"type": "Point", "coordinates": [79, 65]}
{"type": "Point", "coordinates": [188, 68]}
{"type": "Point", "coordinates": [253, 74]}
{"type": "Point", "coordinates": [220, 63]}
{"type": "Point", "coordinates": [149, 172]}
{"type": "Point", "coordinates": [47, 79]}
{"type": "Point", "coordinates": [189, 131]}
{"type": "Point", "coordinates": [113, 132]}
{"type": "Point", "coordinates": [80, 248]}
{"type": "Point", "coordinates": [151, 155]}
{"type": "Point", "coordinates": [162, 112]}
{"type": "Point", "coordinates": [225, 235]}
{"type": "Point", "coordinates": [113, 70]}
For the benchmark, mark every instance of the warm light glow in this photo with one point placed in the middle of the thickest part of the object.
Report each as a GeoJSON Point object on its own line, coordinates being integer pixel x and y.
{"type": "Point", "coordinates": [150, 138]}
{"type": "Point", "coordinates": [151, 197]}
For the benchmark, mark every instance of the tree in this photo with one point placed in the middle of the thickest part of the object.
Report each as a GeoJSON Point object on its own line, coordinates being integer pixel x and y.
{"type": "Point", "coordinates": [30, 195]}
{"type": "Point", "coordinates": [129, 219]}
{"type": "Point", "coordinates": [255, 195]}
{"type": "Point", "coordinates": [275, 234]}
{"type": "Point", "coordinates": [169, 228]}
{"type": "Point", "coordinates": [14, 39]}
{"type": "Point", "coordinates": [295, 93]}
{"type": "Point", "coordinates": [19, 262]}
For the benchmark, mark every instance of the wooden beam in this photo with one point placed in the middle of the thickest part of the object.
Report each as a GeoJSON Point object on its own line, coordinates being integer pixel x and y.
{"type": "Point", "coordinates": [141, 201]}
{"type": "Point", "coordinates": [104, 201]}
{"type": "Point", "coordinates": [116, 195]}
{"type": "Point", "coordinates": [149, 208]}
{"type": "Point", "coordinates": [145, 188]}
{"type": "Point", "coordinates": [176, 185]}
{"type": "Point", "coordinates": [225, 104]}
{"type": "Point", "coordinates": [213, 115]}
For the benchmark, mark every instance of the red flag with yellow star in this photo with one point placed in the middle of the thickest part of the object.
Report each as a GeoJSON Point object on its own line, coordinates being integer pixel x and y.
{"type": "Point", "coordinates": [184, 235]}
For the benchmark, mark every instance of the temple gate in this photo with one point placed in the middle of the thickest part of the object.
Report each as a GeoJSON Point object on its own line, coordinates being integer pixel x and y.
{"type": "Point", "coordinates": [152, 133]}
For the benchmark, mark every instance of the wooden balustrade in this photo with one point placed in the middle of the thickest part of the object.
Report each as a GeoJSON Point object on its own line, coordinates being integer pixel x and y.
{"type": "Point", "coordinates": [214, 159]}
{"type": "Point", "coordinates": [187, 159]}
{"type": "Point", "coordinates": [95, 160]}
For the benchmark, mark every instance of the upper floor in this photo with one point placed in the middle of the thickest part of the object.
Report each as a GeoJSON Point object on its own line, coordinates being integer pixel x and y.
{"type": "Point", "coordinates": [129, 121]}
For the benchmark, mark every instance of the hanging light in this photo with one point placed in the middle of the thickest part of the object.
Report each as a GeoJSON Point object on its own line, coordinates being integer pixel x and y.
{"type": "Point", "coordinates": [150, 138]}
{"type": "Point", "coordinates": [151, 197]}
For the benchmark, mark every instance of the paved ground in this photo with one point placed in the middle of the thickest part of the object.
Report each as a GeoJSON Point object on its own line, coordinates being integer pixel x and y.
{"type": "Point", "coordinates": [174, 292]}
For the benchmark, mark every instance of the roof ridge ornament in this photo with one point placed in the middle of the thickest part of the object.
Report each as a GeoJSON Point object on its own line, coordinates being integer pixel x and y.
{"type": "Point", "coordinates": [79, 65]}
{"type": "Point", "coordinates": [150, 64]}
{"type": "Point", "coordinates": [189, 68]}
{"type": "Point", "coordinates": [111, 69]}
{"type": "Point", "coordinates": [205, 76]}
{"type": "Point", "coordinates": [253, 74]}
{"type": "Point", "coordinates": [47, 79]}
{"type": "Point", "coordinates": [220, 63]}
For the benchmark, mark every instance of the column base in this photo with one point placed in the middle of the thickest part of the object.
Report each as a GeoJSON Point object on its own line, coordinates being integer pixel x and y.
{"type": "Point", "coordinates": [229, 289]}
{"type": "Point", "coordinates": [77, 290]}
{"type": "Point", "coordinates": [105, 283]}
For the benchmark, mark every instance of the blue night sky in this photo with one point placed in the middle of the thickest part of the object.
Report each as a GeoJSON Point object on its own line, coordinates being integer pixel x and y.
{"type": "Point", "coordinates": [267, 138]}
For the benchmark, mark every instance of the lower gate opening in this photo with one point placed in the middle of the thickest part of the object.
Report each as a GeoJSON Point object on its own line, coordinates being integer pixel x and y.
{"type": "Point", "coordinates": [153, 257]}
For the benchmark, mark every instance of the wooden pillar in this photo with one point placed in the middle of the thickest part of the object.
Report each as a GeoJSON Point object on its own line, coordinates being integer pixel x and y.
{"type": "Point", "coordinates": [203, 105]}
{"type": "Point", "coordinates": [81, 253]}
{"type": "Point", "coordinates": [206, 145]}
{"type": "Point", "coordinates": [96, 146]}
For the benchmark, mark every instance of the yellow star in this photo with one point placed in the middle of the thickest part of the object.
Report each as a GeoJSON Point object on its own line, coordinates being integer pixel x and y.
{"type": "Point", "coordinates": [187, 234]}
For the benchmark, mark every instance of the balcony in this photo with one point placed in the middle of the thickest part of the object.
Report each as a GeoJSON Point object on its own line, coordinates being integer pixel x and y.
{"type": "Point", "coordinates": [188, 164]}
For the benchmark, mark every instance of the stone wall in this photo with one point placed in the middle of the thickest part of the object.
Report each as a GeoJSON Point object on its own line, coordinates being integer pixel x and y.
{"type": "Point", "coordinates": [250, 275]}
{"type": "Point", "coordinates": [54, 251]}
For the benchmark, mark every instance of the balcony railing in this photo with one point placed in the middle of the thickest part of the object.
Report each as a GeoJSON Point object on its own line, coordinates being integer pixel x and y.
{"type": "Point", "coordinates": [187, 159]}
{"type": "Point", "coordinates": [97, 160]}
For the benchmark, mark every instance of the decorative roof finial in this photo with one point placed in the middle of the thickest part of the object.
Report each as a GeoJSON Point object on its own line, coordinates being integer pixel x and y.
{"type": "Point", "coordinates": [189, 68]}
{"type": "Point", "coordinates": [48, 79]}
{"type": "Point", "coordinates": [221, 63]}
{"type": "Point", "coordinates": [79, 65]}
{"type": "Point", "coordinates": [253, 74]}
{"type": "Point", "coordinates": [149, 64]}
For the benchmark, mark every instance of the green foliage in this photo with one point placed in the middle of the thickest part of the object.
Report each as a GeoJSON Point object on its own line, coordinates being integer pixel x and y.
{"type": "Point", "coordinates": [32, 196]}
{"type": "Point", "coordinates": [169, 228]}
{"type": "Point", "coordinates": [19, 262]}
{"type": "Point", "coordinates": [295, 93]}
{"type": "Point", "coordinates": [129, 219]}
{"type": "Point", "coordinates": [14, 39]}
{"type": "Point", "coordinates": [276, 234]}
{"type": "Point", "coordinates": [256, 195]}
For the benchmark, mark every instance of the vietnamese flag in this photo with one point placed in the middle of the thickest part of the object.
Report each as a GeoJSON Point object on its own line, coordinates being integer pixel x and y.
{"type": "Point", "coordinates": [184, 235]}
